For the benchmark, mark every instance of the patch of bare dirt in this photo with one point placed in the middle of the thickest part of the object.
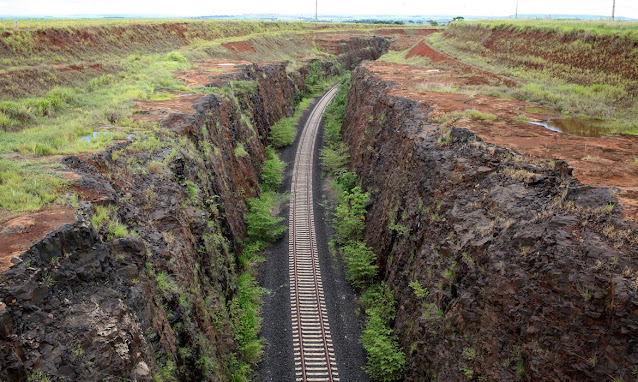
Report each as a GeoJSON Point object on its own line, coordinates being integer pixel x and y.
{"type": "Point", "coordinates": [155, 111]}
{"type": "Point", "coordinates": [19, 233]}
{"type": "Point", "coordinates": [239, 47]}
{"type": "Point", "coordinates": [209, 72]}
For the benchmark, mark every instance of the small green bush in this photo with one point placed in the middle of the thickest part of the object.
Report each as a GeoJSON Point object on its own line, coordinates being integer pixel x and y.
{"type": "Point", "coordinates": [386, 359]}
{"type": "Point", "coordinates": [334, 159]}
{"type": "Point", "coordinates": [261, 224]}
{"type": "Point", "coordinates": [334, 114]}
{"type": "Point", "coordinates": [350, 215]}
{"type": "Point", "coordinates": [248, 87]}
{"type": "Point", "coordinates": [271, 175]}
{"type": "Point", "coordinates": [361, 269]}
{"type": "Point", "coordinates": [283, 132]}
{"type": "Point", "coordinates": [176, 56]}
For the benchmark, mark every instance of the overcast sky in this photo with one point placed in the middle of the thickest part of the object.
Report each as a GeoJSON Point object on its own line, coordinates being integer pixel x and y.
{"type": "Point", "coordinates": [626, 8]}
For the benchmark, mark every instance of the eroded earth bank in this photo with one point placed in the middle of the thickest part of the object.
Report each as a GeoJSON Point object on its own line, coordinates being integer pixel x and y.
{"type": "Point", "coordinates": [142, 282]}
{"type": "Point", "coordinates": [524, 273]}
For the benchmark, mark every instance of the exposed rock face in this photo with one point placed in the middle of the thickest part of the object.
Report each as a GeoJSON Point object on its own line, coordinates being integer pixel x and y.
{"type": "Point", "coordinates": [86, 305]}
{"type": "Point", "coordinates": [530, 277]}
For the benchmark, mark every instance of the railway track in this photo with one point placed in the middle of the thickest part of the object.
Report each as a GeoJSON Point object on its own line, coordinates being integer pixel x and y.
{"type": "Point", "coordinates": [313, 351]}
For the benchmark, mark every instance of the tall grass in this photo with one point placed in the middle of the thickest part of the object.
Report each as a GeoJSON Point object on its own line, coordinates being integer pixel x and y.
{"type": "Point", "coordinates": [27, 185]}
{"type": "Point", "coordinates": [625, 29]}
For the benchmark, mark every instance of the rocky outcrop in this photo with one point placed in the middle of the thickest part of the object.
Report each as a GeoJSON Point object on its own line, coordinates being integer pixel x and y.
{"type": "Point", "coordinates": [154, 296]}
{"type": "Point", "coordinates": [523, 274]}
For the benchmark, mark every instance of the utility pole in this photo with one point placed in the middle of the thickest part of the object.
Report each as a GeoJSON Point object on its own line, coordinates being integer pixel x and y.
{"type": "Point", "coordinates": [516, 16]}
{"type": "Point", "coordinates": [317, 8]}
{"type": "Point", "coordinates": [613, 11]}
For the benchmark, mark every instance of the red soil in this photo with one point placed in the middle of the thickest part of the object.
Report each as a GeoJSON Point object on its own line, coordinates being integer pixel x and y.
{"type": "Point", "coordinates": [209, 72]}
{"type": "Point", "coordinates": [239, 46]}
{"type": "Point", "coordinates": [422, 50]}
{"type": "Point", "coordinates": [391, 31]}
{"type": "Point", "coordinates": [18, 234]}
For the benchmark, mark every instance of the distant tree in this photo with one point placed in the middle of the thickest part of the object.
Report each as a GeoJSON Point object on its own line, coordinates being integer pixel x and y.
{"type": "Point", "coordinates": [458, 18]}
{"type": "Point", "coordinates": [434, 23]}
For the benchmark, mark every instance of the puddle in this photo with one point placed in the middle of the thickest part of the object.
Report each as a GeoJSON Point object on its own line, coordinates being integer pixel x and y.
{"type": "Point", "coordinates": [91, 136]}
{"type": "Point", "coordinates": [575, 126]}
{"type": "Point", "coordinates": [226, 64]}
{"type": "Point", "coordinates": [432, 70]}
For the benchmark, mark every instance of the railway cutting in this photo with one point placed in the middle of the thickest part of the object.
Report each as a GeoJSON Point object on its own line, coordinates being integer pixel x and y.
{"type": "Point", "coordinates": [313, 350]}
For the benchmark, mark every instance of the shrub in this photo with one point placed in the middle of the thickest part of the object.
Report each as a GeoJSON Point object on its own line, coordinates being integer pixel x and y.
{"type": "Point", "coordinates": [283, 132]}
{"type": "Point", "coordinates": [271, 175]}
{"type": "Point", "coordinates": [386, 359]}
{"type": "Point", "coordinates": [248, 87]}
{"type": "Point", "coordinates": [261, 224]}
{"type": "Point", "coordinates": [176, 56]}
{"type": "Point", "coordinates": [335, 158]}
{"type": "Point", "coordinates": [335, 112]}
{"type": "Point", "coordinates": [361, 269]}
{"type": "Point", "coordinates": [349, 217]}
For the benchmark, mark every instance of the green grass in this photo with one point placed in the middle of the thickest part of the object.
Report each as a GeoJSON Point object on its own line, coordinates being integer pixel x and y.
{"type": "Point", "coordinates": [106, 217]}
{"type": "Point", "coordinates": [592, 92]}
{"type": "Point", "coordinates": [399, 57]}
{"type": "Point", "coordinates": [625, 29]}
{"type": "Point", "coordinates": [27, 185]}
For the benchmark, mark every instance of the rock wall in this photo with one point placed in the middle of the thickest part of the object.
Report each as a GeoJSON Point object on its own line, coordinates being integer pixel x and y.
{"type": "Point", "coordinates": [524, 274]}
{"type": "Point", "coordinates": [86, 304]}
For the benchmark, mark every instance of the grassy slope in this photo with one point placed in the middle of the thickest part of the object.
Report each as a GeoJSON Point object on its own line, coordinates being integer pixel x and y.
{"type": "Point", "coordinates": [559, 64]}
{"type": "Point", "coordinates": [52, 125]}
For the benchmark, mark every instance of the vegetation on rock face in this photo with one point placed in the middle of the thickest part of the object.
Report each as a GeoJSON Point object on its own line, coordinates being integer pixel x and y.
{"type": "Point", "coordinates": [385, 359]}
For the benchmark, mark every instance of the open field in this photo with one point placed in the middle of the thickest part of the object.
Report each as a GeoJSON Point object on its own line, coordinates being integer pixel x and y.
{"type": "Point", "coordinates": [111, 69]}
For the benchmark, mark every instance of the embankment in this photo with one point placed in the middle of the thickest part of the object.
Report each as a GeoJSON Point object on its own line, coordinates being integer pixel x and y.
{"type": "Point", "coordinates": [583, 57]}
{"type": "Point", "coordinates": [144, 285]}
{"type": "Point", "coordinates": [524, 274]}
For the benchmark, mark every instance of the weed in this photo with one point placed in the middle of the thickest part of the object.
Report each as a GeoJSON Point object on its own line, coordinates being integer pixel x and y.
{"type": "Point", "coordinates": [102, 216]}
{"type": "Point", "coordinates": [334, 158]}
{"type": "Point", "coordinates": [38, 376]}
{"type": "Point", "coordinates": [419, 290]}
{"type": "Point", "coordinates": [520, 175]}
{"type": "Point", "coordinates": [469, 353]}
{"type": "Point", "coordinates": [475, 114]}
{"type": "Point", "coordinates": [176, 56]}
{"type": "Point", "coordinates": [248, 87]}
{"type": "Point", "coordinates": [116, 230]}
{"type": "Point", "coordinates": [240, 151]}
{"type": "Point", "coordinates": [349, 217]}
{"type": "Point", "coordinates": [469, 374]}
